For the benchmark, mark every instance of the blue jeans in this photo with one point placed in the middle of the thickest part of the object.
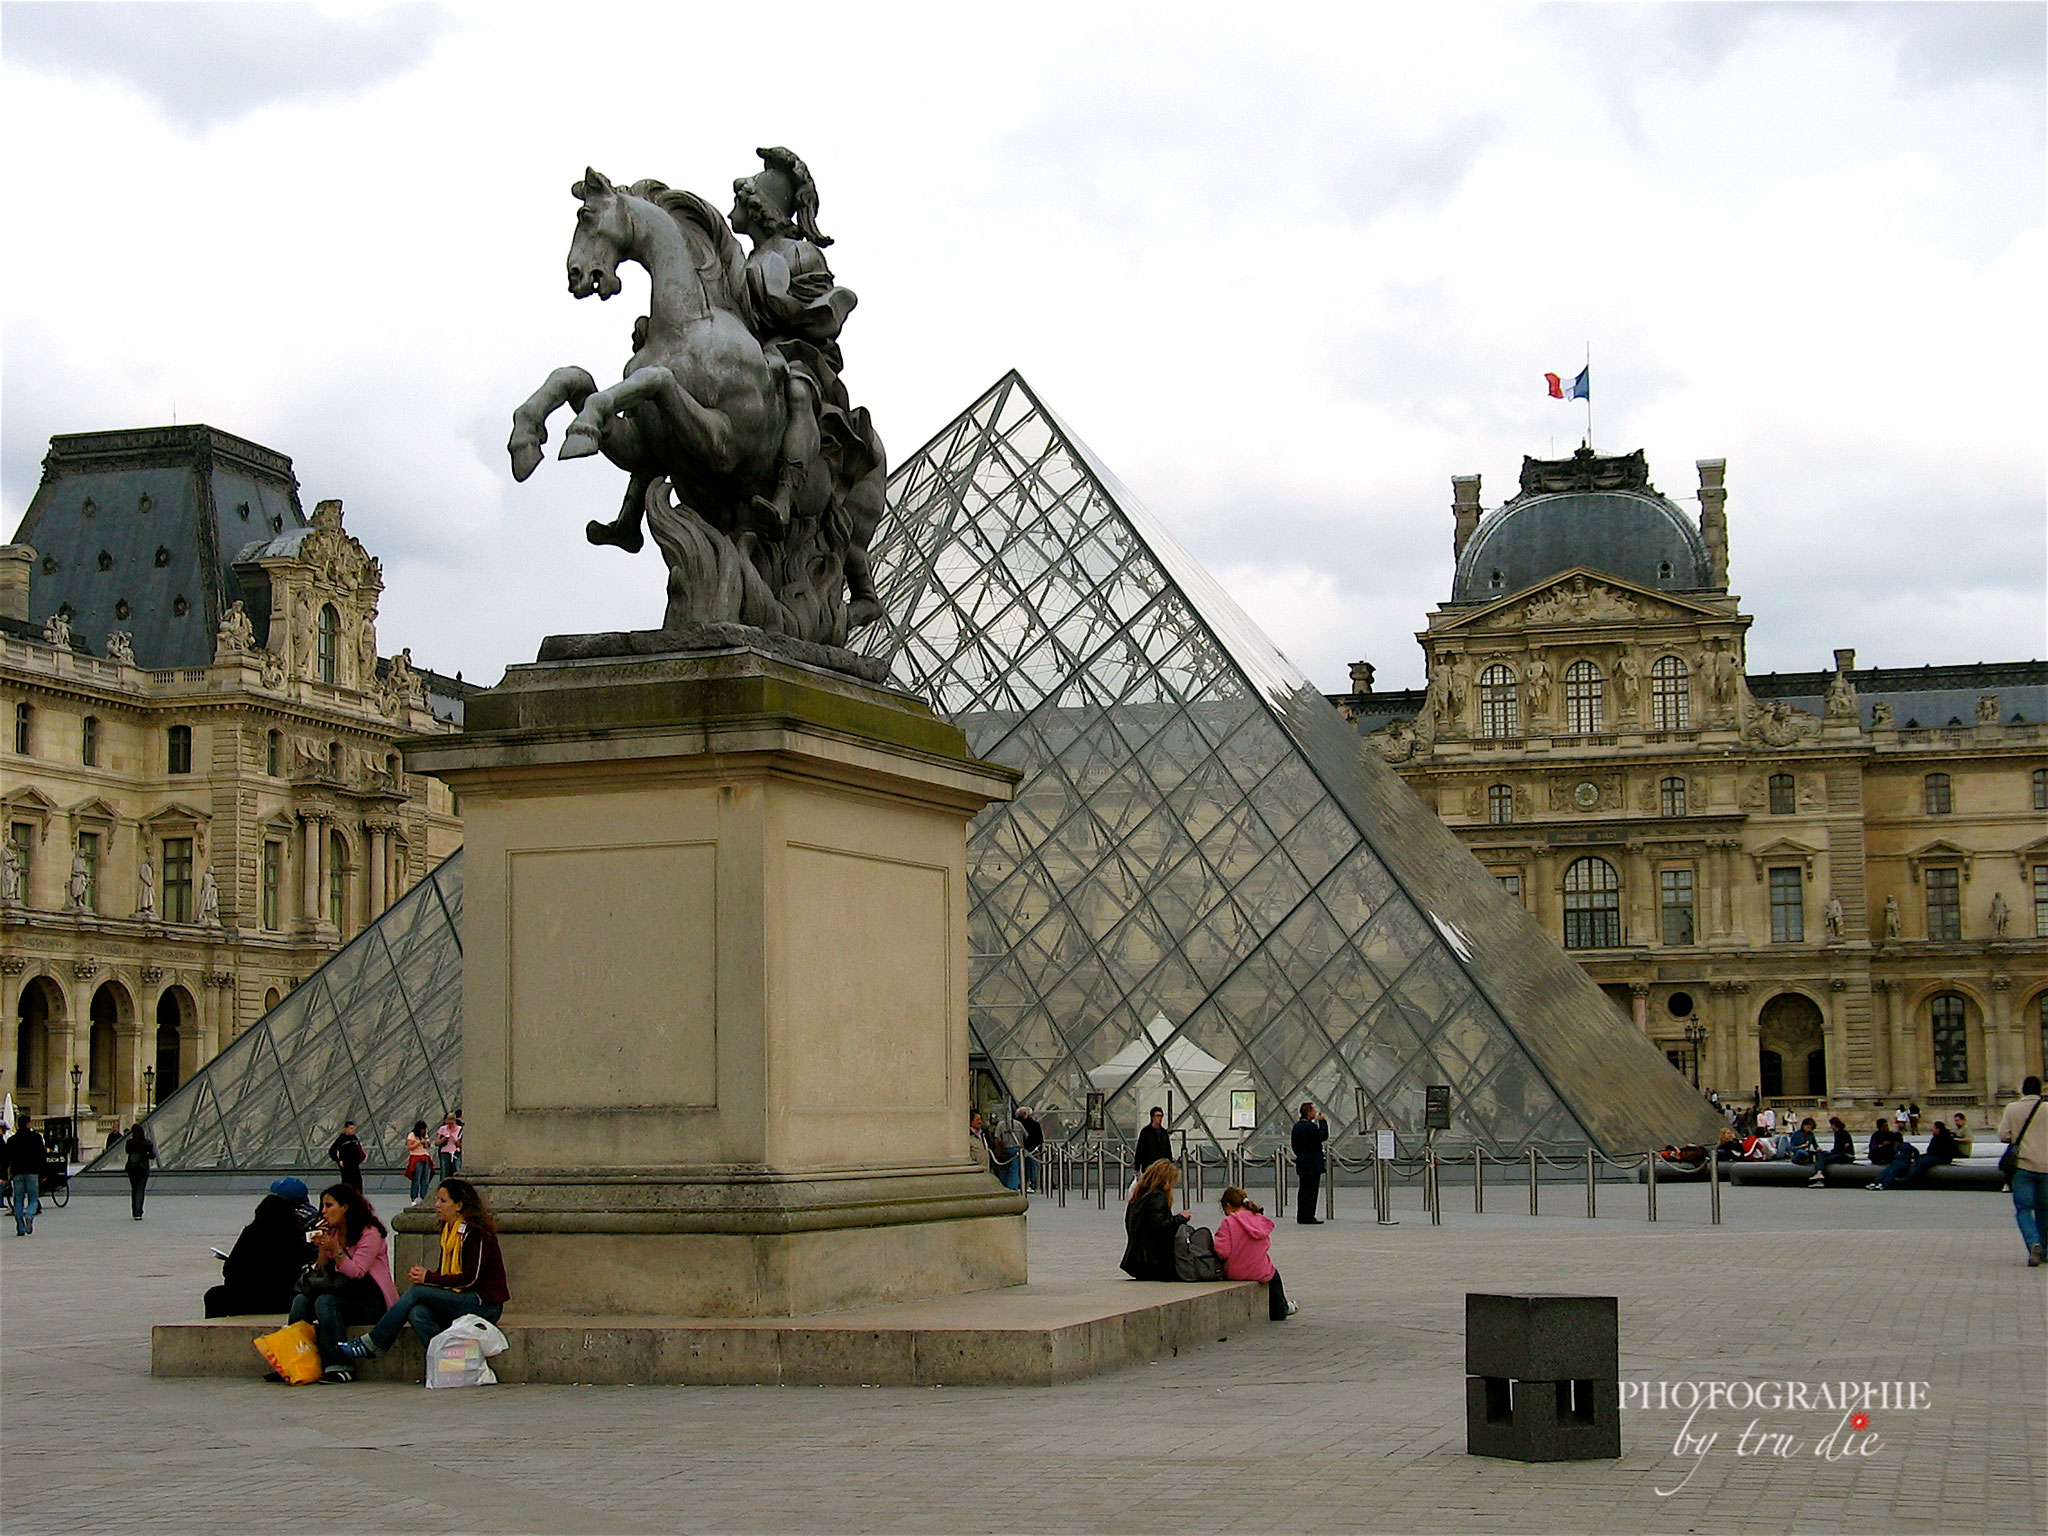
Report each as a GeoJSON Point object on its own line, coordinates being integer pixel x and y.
{"type": "Point", "coordinates": [332, 1312]}
{"type": "Point", "coordinates": [1905, 1169]}
{"type": "Point", "coordinates": [422, 1178]}
{"type": "Point", "coordinates": [429, 1309]}
{"type": "Point", "coordinates": [2030, 1204]}
{"type": "Point", "coordinates": [28, 1201]}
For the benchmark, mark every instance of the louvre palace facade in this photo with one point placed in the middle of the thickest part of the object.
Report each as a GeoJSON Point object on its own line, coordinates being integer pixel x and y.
{"type": "Point", "coordinates": [198, 789]}
{"type": "Point", "coordinates": [1830, 887]}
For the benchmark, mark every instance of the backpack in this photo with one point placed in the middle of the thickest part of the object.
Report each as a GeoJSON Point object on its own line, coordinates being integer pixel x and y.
{"type": "Point", "coordinates": [1194, 1254]}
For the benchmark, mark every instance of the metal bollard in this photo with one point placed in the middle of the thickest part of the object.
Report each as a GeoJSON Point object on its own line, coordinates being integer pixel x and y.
{"type": "Point", "coordinates": [1279, 1184]}
{"type": "Point", "coordinates": [1650, 1178]}
{"type": "Point", "coordinates": [1590, 1199]}
{"type": "Point", "coordinates": [1478, 1181]}
{"type": "Point", "coordinates": [1379, 1189]}
{"type": "Point", "coordinates": [1714, 1185]}
{"type": "Point", "coordinates": [1101, 1184]}
{"type": "Point", "coordinates": [1532, 1181]}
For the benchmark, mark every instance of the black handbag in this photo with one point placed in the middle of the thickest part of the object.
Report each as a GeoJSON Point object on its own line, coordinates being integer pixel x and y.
{"type": "Point", "coordinates": [315, 1281]}
{"type": "Point", "coordinates": [2009, 1164]}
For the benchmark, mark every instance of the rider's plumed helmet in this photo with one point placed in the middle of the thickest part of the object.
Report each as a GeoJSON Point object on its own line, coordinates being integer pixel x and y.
{"type": "Point", "coordinates": [784, 193]}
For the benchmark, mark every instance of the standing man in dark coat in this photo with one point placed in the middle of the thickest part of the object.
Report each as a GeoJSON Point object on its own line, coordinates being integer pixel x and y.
{"type": "Point", "coordinates": [347, 1154]}
{"type": "Point", "coordinates": [1155, 1142]}
{"type": "Point", "coordinates": [1310, 1132]}
{"type": "Point", "coordinates": [140, 1153]}
{"type": "Point", "coordinates": [1030, 1137]}
{"type": "Point", "coordinates": [25, 1157]}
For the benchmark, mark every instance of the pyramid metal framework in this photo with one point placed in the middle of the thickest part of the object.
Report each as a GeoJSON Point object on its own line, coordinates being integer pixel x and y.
{"type": "Point", "coordinates": [374, 1035]}
{"type": "Point", "coordinates": [1197, 838]}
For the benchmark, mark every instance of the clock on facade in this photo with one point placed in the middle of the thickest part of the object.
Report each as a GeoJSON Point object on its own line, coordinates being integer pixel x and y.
{"type": "Point", "coordinates": [1586, 796]}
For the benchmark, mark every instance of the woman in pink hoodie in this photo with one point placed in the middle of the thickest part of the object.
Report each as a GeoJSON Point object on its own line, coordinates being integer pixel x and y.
{"type": "Point", "coordinates": [1242, 1241]}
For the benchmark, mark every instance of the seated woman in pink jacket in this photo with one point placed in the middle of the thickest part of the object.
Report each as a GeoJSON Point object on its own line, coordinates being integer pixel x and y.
{"type": "Point", "coordinates": [351, 1276]}
{"type": "Point", "coordinates": [1242, 1240]}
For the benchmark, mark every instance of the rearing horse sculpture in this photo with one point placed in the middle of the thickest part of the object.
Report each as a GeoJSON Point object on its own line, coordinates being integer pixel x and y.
{"type": "Point", "coordinates": [698, 422]}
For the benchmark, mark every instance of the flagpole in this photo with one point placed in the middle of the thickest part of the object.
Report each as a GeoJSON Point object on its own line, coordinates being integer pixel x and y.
{"type": "Point", "coordinates": [1589, 394]}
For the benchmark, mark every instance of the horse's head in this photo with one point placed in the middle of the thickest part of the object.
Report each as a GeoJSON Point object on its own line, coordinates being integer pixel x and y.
{"type": "Point", "coordinates": [603, 232]}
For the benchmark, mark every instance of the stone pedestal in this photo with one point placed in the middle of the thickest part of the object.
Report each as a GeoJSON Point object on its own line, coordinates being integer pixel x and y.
{"type": "Point", "coordinates": [715, 989]}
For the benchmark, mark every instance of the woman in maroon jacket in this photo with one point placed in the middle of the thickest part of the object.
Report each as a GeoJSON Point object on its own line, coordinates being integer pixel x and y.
{"type": "Point", "coordinates": [468, 1281]}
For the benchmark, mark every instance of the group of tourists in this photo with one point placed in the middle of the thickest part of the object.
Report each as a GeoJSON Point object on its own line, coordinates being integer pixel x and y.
{"type": "Point", "coordinates": [332, 1267]}
{"type": "Point", "coordinates": [1012, 1156]}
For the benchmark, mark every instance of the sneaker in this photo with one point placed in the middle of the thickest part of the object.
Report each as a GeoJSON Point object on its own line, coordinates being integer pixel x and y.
{"type": "Point", "coordinates": [1293, 1307]}
{"type": "Point", "coordinates": [338, 1374]}
{"type": "Point", "coordinates": [2035, 1254]}
{"type": "Point", "coordinates": [360, 1349]}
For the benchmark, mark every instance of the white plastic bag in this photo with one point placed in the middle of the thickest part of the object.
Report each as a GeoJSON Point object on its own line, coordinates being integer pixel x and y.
{"type": "Point", "coordinates": [457, 1355]}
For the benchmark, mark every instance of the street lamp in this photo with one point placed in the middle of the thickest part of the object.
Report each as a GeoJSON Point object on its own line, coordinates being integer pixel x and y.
{"type": "Point", "coordinates": [1696, 1032]}
{"type": "Point", "coordinates": [77, 1075]}
{"type": "Point", "coordinates": [149, 1088]}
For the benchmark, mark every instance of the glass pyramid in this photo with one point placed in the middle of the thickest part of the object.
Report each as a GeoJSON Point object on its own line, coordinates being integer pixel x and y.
{"type": "Point", "coordinates": [374, 1035]}
{"type": "Point", "coordinates": [1205, 881]}
{"type": "Point", "coordinates": [1205, 884]}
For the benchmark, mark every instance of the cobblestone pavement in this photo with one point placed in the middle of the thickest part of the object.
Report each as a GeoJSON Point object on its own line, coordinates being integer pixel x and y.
{"type": "Point", "coordinates": [1350, 1417]}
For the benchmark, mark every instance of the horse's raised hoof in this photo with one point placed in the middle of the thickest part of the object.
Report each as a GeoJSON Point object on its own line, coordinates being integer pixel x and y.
{"type": "Point", "coordinates": [862, 610]}
{"type": "Point", "coordinates": [579, 442]}
{"type": "Point", "coordinates": [526, 459]}
{"type": "Point", "coordinates": [627, 539]}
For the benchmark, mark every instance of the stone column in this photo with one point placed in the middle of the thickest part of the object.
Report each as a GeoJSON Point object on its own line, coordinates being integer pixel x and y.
{"type": "Point", "coordinates": [2005, 1060]}
{"type": "Point", "coordinates": [312, 850]}
{"type": "Point", "coordinates": [1883, 1039]}
{"type": "Point", "coordinates": [1639, 1004]}
{"type": "Point", "coordinates": [1719, 898]}
{"type": "Point", "coordinates": [1731, 872]}
{"type": "Point", "coordinates": [377, 836]}
{"type": "Point", "coordinates": [1641, 910]}
{"type": "Point", "coordinates": [1749, 1061]}
{"type": "Point", "coordinates": [12, 968]}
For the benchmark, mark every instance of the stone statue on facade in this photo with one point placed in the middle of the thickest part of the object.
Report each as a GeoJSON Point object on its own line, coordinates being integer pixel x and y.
{"type": "Point", "coordinates": [57, 630]}
{"type": "Point", "coordinates": [759, 479]}
{"type": "Point", "coordinates": [145, 888]}
{"type": "Point", "coordinates": [1891, 917]}
{"type": "Point", "coordinates": [1628, 681]}
{"type": "Point", "coordinates": [2001, 914]}
{"type": "Point", "coordinates": [209, 899]}
{"type": "Point", "coordinates": [1987, 709]}
{"type": "Point", "coordinates": [11, 874]}
{"type": "Point", "coordinates": [1881, 716]}
{"type": "Point", "coordinates": [236, 634]}
{"type": "Point", "coordinates": [121, 648]}
{"type": "Point", "coordinates": [1538, 679]}
{"type": "Point", "coordinates": [78, 889]}
{"type": "Point", "coordinates": [1841, 698]}
{"type": "Point", "coordinates": [1831, 914]}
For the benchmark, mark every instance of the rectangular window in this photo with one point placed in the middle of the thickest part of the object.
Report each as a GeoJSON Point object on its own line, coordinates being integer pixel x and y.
{"type": "Point", "coordinates": [1500, 804]}
{"type": "Point", "coordinates": [1783, 795]}
{"type": "Point", "coordinates": [24, 715]}
{"type": "Point", "coordinates": [1939, 800]}
{"type": "Point", "coordinates": [177, 879]}
{"type": "Point", "coordinates": [1675, 894]}
{"type": "Point", "coordinates": [1949, 1017]}
{"type": "Point", "coordinates": [2041, 789]}
{"type": "Point", "coordinates": [1671, 797]}
{"type": "Point", "coordinates": [273, 882]}
{"type": "Point", "coordinates": [1512, 884]}
{"type": "Point", "coordinates": [89, 856]}
{"type": "Point", "coordinates": [2041, 906]}
{"type": "Point", "coordinates": [179, 742]}
{"type": "Point", "coordinates": [1788, 906]}
{"type": "Point", "coordinates": [89, 741]}
{"type": "Point", "coordinates": [1944, 905]}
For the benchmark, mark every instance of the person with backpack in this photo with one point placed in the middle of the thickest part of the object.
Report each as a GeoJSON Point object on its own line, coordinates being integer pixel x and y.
{"type": "Point", "coordinates": [1150, 1222]}
{"type": "Point", "coordinates": [1244, 1242]}
{"type": "Point", "coordinates": [139, 1152]}
{"type": "Point", "coordinates": [2026, 1164]}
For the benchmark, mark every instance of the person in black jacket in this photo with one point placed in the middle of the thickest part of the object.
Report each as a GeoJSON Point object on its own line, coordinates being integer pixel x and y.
{"type": "Point", "coordinates": [260, 1272]}
{"type": "Point", "coordinates": [1030, 1137]}
{"type": "Point", "coordinates": [1885, 1143]}
{"type": "Point", "coordinates": [1150, 1222]}
{"type": "Point", "coordinates": [1154, 1142]}
{"type": "Point", "coordinates": [346, 1153]}
{"type": "Point", "coordinates": [141, 1152]}
{"type": "Point", "coordinates": [25, 1157]}
{"type": "Point", "coordinates": [1310, 1132]}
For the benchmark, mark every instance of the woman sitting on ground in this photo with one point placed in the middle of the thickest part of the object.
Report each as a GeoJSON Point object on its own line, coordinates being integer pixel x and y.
{"type": "Point", "coordinates": [260, 1271]}
{"type": "Point", "coordinates": [351, 1278]}
{"type": "Point", "coordinates": [469, 1281]}
{"type": "Point", "coordinates": [1243, 1242]}
{"type": "Point", "coordinates": [1150, 1222]}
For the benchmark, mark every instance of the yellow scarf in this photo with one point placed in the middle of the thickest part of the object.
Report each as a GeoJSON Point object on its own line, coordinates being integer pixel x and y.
{"type": "Point", "coordinates": [451, 1248]}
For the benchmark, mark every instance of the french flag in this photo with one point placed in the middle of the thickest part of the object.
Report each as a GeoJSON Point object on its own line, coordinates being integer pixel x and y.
{"type": "Point", "coordinates": [1581, 388]}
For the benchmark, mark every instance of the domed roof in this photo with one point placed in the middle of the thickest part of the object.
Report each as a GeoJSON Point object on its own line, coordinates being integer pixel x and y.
{"type": "Point", "coordinates": [1602, 514]}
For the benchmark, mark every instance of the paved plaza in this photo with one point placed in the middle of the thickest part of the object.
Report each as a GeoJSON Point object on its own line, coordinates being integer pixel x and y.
{"type": "Point", "coordinates": [1348, 1418]}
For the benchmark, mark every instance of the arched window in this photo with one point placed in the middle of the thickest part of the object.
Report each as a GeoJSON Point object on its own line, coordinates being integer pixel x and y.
{"type": "Point", "coordinates": [1671, 797]}
{"type": "Point", "coordinates": [1500, 710]}
{"type": "Point", "coordinates": [273, 754]}
{"type": "Point", "coordinates": [1948, 1015]}
{"type": "Point", "coordinates": [89, 741]}
{"type": "Point", "coordinates": [337, 880]}
{"type": "Point", "coordinates": [1670, 695]}
{"type": "Point", "coordinates": [1583, 710]}
{"type": "Point", "coordinates": [1592, 905]}
{"type": "Point", "coordinates": [1500, 803]}
{"type": "Point", "coordinates": [330, 645]}
{"type": "Point", "coordinates": [178, 748]}
{"type": "Point", "coordinates": [170, 1043]}
{"type": "Point", "coordinates": [1784, 795]}
{"type": "Point", "coordinates": [1938, 797]}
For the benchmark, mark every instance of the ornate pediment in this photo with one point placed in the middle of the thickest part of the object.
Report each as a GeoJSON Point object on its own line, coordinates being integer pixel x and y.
{"type": "Point", "coordinates": [1581, 596]}
{"type": "Point", "coordinates": [1782, 851]}
{"type": "Point", "coordinates": [336, 554]}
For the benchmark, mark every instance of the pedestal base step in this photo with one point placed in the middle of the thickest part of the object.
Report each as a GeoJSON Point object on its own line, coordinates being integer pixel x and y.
{"type": "Point", "coordinates": [1027, 1335]}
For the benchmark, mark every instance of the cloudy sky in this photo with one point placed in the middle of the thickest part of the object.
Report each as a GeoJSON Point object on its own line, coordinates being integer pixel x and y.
{"type": "Point", "coordinates": [1287, 275]}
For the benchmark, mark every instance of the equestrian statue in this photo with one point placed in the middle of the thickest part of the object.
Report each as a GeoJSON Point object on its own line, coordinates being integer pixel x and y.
{"type": "Point", "coordinates": [759, 480]}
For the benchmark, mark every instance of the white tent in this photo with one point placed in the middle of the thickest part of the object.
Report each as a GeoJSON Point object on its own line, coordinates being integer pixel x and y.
{"type": "Point", "coordinates": [1181, 1068]}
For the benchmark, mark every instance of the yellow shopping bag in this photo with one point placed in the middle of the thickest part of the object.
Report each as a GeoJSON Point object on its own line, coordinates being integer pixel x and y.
{"type": "Point", "coordinates": [292, 1353]}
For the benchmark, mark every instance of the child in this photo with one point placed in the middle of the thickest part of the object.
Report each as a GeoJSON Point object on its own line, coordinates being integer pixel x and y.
{"type": "Point", "coordinates": [1242, 1240]}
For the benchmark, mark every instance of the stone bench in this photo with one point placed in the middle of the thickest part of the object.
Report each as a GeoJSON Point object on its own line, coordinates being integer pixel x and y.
{"type": "Point", "coordinates": [1970, 1175]}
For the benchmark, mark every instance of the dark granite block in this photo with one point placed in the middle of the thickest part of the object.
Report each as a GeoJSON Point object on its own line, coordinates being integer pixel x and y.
{"type": "Point", "coordinates": [1536, 1337]}
{"type": "Point", "coordinates": [1571, 1420]}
